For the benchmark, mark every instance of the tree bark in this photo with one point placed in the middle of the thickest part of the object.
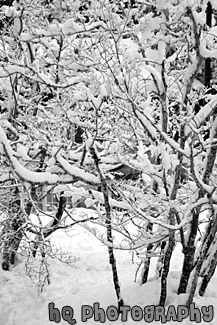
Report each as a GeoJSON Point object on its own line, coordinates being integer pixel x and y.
{"type": "Point", "coordinates": [202, 257]}
{"type": "Point", "coordinates": [108, 222]}
{"type": "Point", "coordinates": [209, 274]}
{"type": "Point", "coordinates": [146, 265]}
{"type": "Point", "coordinates": [13, 231]}
{"type": "Point", "coordinates": [211, 156]}
{"type": "Point", "coordinates": [47, 232]}
{"type": "Point", "coordinates": [168, 255]}
{"type": "Point", "coordinates": [189, 252]}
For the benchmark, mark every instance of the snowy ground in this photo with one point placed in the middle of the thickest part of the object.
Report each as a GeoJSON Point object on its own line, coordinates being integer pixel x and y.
{"type": "Point", "coordinates": [88, 281]}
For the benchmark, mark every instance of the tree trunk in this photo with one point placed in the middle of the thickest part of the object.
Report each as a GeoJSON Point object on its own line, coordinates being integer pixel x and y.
{"type": "Point", "coordinates": [13, 231]}
{"type": "Point", "coordinates": [167, 259]}
{"type": "Point", "coordinates": [209, 274]}
{"type": "Point", "coordinates": [189, 252]}
{"type": "Point", "coordinates": [211, 231]}
{"type": "Point", "coordinates": [11, 243]}
{"type": "Point", "coordinates": [146, 265]}
{"type": "Point", "coordinates": [52, 228]}
{"type": "Point", "coordinates": [160, 260]}
{"type": "Point", "coordinates": [10, 231]}
{"type": "Point", "coordinates": [202, 257]}
{"type": "Point", "coordinates": [108, 222]}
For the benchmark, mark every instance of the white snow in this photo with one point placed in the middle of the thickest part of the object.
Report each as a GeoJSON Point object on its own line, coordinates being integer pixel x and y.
{"type": "Point", "coordinates": [157, 78]}
{"type": "Point", "coordinates": [87, 281]}
{"type": "Point", "coordinates": [22, 152]}
{"type": "Point", "coordinates": [147, 124]}
{"type": "Point", "coordinates": [205, 52]}
{"type": "Point", "coordinates": [114, 203]}
{"type": "Point", "coordinates": [199, 17]}
{"type": "Point", "coordinates": [45, 177]}
{"type": "Point", "coordinates": [70, 27]}
{"type": "Point", "coordinates": [77, 172]}
{"type": "Point", "coordinates": [204, 113]}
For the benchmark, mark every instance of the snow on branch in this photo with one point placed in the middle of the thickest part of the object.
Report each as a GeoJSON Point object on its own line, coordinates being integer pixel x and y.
{"type": "Point", "coordinates": [211, 155]}
{"type": "Point", "coordinates": [146, 123]}
{"type": "Point", "coordinates": [184, 220]}
{"type": "Point", "coordinates": [38, 76]}
{"type": "Point", "coordinates": [160, 223]}
{"type": "Point", "coordinates": [208, 188]}
{"type": "Point", "coordinates": [173, 144]}
{"type": "Point", "coordinates": [190, 75]}
{"type": "Point", "coordinates": [45, 177]}
{"type": "Point", "coordinates": [114, 203]}
{"type": "Point", "coordinates": [21, 171]}
{"type": "Point", "coordinates": [157, 78]}
{"type": "Point", "coordinates": [43, 78]}
{"type": "Point", "coordinates": [77, 172]}
{"type": "Point", "coordinates": [205, 111]}
{"type": "Point", "coordinates": [70, 27]}
{"type": "Point", "coordinates": [206, 53]}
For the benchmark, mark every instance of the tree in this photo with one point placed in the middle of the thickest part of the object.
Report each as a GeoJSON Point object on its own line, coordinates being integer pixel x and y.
{"type": "Point", "coordinates": [126, 74]}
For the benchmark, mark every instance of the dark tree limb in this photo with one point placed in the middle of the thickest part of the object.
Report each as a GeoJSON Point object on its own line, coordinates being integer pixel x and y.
{"type": "Point", "coordinates": [209, 274]}
{"type": "Point", "coordinates": [54, 226]}
{"type": "Point", "coordinates": [207, 74]}
{"type": "Point", "coordinates": [13, 230]}
{"type": "Point", "coordinates": [112, 259]}
{"type": "Point", "coordinates": [201, 259]}
{"type": "Point", "coordinates": [167, 258]}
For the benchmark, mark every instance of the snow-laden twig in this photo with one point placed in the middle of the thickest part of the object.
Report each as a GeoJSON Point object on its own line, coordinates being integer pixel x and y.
{"type": "Point", "coordinates": [46, 177]}
{"type": "Point", "coordinates": [77, 172]}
